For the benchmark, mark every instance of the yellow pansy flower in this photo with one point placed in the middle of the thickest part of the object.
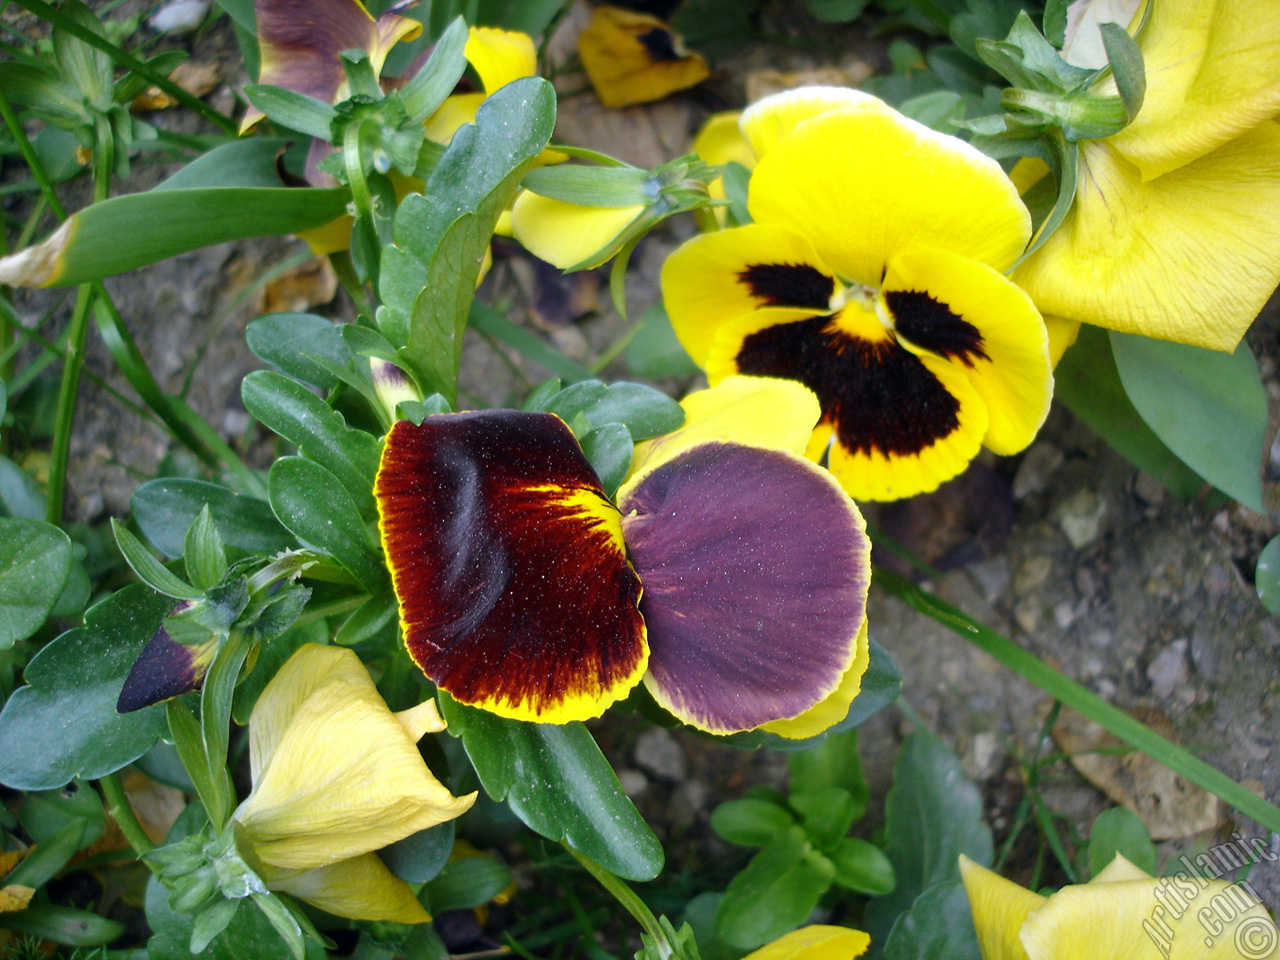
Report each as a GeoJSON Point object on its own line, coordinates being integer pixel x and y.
{"type": "Point", "coordinates": [336, 776]}
{"type": "Point", "coordinates": [815, 942]}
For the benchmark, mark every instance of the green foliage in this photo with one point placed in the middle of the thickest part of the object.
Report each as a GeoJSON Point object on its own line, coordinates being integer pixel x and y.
{"type": "Point", "coordinates": [938, 926]}
{"type": "Point", "coordinates": [1120, 831]}
{"type": "Point", "coordinates": [35, 565]}
{"type": "Point", "coordinates": [1267, 576]}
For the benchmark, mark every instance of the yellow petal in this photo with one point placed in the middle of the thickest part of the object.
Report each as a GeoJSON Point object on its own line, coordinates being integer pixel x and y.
{"type": "Point", "coordinates": [707, 282]}
{"type": "Point", "coordinates": [999, 909]}
{"type": "Point", "coordinates": [866, 186]}
{"type": "Point", "coordinates": [420, 720]}
{"type": "Point", "coordinates": [1062, 334]}
{"type": "Point", "coordinates": [500, 56]}
{"type": "Point", "coordinates": [15, 896]}
{"type": "Point", "coordinates": [335, 773]}
{"type": "Point", "coordinates": [753, 411]}
{"type": "Point", "coordinates": [453, 113]}
{"type": "Point", "coordinates": [815, 942]}
{"type": "Point", "coordinates": [565, 234]}
{"type": "Point", "coordinates": [835, 707]}
{"type": "Point", "coordinates": [361, 888]}
{"type": "Point", "coordinates": [1191, 256]}
{"type": "Point", "coordinates": [633, 58]}
{"type": "Point", "coordinates": [1169, 917]}
{"type": "Point", "coordinates": [721, 141]}
{"type": "Point", "coordinates": [1213, 73]}
{"type": "Point", "coordinates": [771, 118]}
{"type": "Point", "coordinates": [1011, 371]}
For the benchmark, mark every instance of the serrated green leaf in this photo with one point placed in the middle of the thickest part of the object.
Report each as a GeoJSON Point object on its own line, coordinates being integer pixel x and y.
{"type": "Point", "coordinates": [319, 431]}
{"type": "Point", "coordinates": [939, 926]}
{"type": "Point", "coordinates": [1208, 407]}
{"type": "Point", "coordinates": [932, 815]}
{"type": "Point", "coordinates": [165, 508]}
{"type": "Point", "coordinates": [750, 822]}
{"type": "Point", "coordinates": [555, 779]}
{"type": "Point", "coordinates": [1120, 831]}
{"type": "Point", "coordinates": [63, 724]}
{"type": "Point", "coordinates": [35, 565]}
{"type": "Point", "coordinates": [311, 502]}
{"type": "Point", "coordinates": [775, 892]}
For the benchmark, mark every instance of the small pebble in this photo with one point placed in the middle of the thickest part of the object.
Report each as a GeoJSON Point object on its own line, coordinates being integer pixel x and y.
{"type": "Point", "coordinates": [179, 16]}
{"type": "Point", "coordinates": [1168, 670]}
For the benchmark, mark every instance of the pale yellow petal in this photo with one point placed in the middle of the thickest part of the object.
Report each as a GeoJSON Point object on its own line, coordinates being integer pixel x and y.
{"type": "Point", "coordinates": [1190, 257]}
{"type": "Point", "coordinates": [771, 118]}
{"type": "Point", "coordinates": [565, 234]}
{"type": "Point", "coordinates": [361, 888]}
{"type": "Point", "coordinates": [500, 56]}
{"type": "Point", "coordinates": [420, 720]}
{"type": "Point", "coordinates": [1213, 73]}
{"type": "Point", "coordinates": [999, 908]}
{"type": "Point", "coordinates": [865, 187]}
{"type": "Point", "coordinates": [815, 942]}
{"type": "Point", "coordinates": [14, 897]}
{"type": "Point", "coordinates": [1169, 918]}
{"type": "Point", "coordinates": [453, 113]}
{"type": "Point", "coordinates": [754, 411]}
{"type": "Point", "coordinates": [835, 707]}
{"type": "Point", "coordinates": [721, 140]}
{"type": "Point", "coordinates": [1062, 334]}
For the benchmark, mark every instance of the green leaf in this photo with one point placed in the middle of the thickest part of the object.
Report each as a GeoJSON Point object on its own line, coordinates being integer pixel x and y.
{"type": "Point", "coordinates": [828, 814]}
{"type": "Point", "coordinates": [202, 552]}
{"type": "Point", "coordinates": [63, 724]}
{"type": "Point", "coordinates": [835, 11]}
{"type": "Point", "coordinates": [35, 565]}
{"type": "Point", "coordinates": [311, 502]}
{"type": "Point", "coordinates": [150, 570]}
{"type": "Point", "coordinates": [319, 431]}
{"type": "Point", "coordinates": [1209, 407]}
{"type": "Point", "coordinates": [429, 87]}
{"type": "Point", "coordinates": [862, 867]}
{"type": "Point", "coordinates": [1086, 381]}
{"type": "Point", "coordinates": [655, 352]}
{"type": "Point", "coordinates": [421, 856]}
{"type": "Point", "coordinates": [644, 411]}
{"type": "Point", "coordinates": [1267, 576]}
{"type": "Point", "coordinates": [834, 762]}
{"type": "Point", "coordinates": [447, 229]}
{"type": "Point", "coordinates": [66, 925]}
{"type": "Point", "coordinates": [291, 109]}
{"type": "Point", "coordinates": [302, 345]}
{"type": "Point", "coordinates": [608, 450]}
{"type": "Point", "coordinates": [165, 509]}
{"type": "Point", "coordinates": [468, 882]}
{"type": "Point", "coordinates": [251, 162]}
{"type": "Point", "coordinates": [371, 618]}
{"type": "Point", "coordinates": [46, 812]}
{"type": "Point", "coordinates": [939, 926]}
{"type": "Point", "coordinates": [750, 822]}
{"type": "Point", "coordinates": [775, 892]}
{"type": "Point", "coordinates": [165, 223]}
{"type": "Point", "coordinates": [555, 779]}
{"type": "Point", "coordinates": [47, 859]}
{"type": "Point", "coordinates": [932, 815]}
{"type": "Point", "coordinates": [1120, 831]}
{"type": "Point", "coordinates": [20, 494]}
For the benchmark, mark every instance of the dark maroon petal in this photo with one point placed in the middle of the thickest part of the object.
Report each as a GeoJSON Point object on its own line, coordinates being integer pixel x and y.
{"type": "Point", "coordinates": [165, 669]}
{"type": "Point", "coordinates": [300, 43]}
{"type": "Point", "coordinates": [755, 568]}
{"type": "Point", "coordinates": [507, 558]}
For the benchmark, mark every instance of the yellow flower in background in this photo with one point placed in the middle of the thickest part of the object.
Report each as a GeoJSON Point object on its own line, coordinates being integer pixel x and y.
{"type": "Point", "coordinates": [1175, 232]}
{"type": "Point", "coordinates": [1122, 912]}
{"type": "Point", "coordinates": [336, 776]}
{"type": "Point", "coordinates": [632, 58]}
{"type": "Point", "coordinates": [815, 942]}
{"type": "Point", "coordinates": [872, 273]}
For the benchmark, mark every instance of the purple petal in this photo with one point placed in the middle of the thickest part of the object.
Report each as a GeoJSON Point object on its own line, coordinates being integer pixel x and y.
{"type": "Point", "coordinates": [165, 669]}
{"type": "Point", "coordinates": [755, 567]}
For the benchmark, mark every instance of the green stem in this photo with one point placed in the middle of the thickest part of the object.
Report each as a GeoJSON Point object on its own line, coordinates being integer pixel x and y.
{"type": "Point", "coordinates": [55, 17]}
{"type": "Point", "coordinates": [122, 813]}
{"type": "Point", "coordinates": [346, 271]}
{"type": "Point", "coordinates": [1078, 698]}
{"type": "Point", "coordinates": [68, 387]}
{"type": "Point", "coordinates": [215, 721]}
{"type": "Point", "coordinates": [361, 196]}
{"type": "Point", "coordinates": [628, 898]}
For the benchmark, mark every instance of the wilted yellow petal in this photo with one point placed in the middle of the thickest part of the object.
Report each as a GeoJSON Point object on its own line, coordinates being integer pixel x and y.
{"type": "Point", "coordinates": [835, 707]}
{"type": "Point", "coordinates": [815, 942]}
{"type": "Point", "coordinates": [565, 234]}
{"type": "Point", "coordinates": [41, 265]}
{"type": "Point", "coordinates": [632, 58]}
{"type": "Point", "coordinates": [15, 896]}
{"type": "Point", "coordinates": [1213, 73]}
{"type": "Point", "coordinates": [1191, 256]}
{"type": "Point", "coordinates": [999, 908]}
{"type": "Point", "coordinates": [336, 774]}
{"type": "Point", "coordinates": [361, 888]}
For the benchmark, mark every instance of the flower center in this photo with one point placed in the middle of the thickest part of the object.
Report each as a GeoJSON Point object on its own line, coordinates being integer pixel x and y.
{"type": "Point", "coordinates": [859, 311]}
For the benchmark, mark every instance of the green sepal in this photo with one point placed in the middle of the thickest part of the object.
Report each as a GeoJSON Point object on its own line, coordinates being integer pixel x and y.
{"type": "Point", "coordinates": [291, 109]}
{"type": "Point", "coordinates": [150, 570]}
{"type": "Point", "coordinates": [1125, 57]}
{"type": "Point", "coordinates": [555, 779]}
{"type": "Point", "coordinates": [594, 186]}
{"type": "Point", "coordinates": [203, 553]}
{"type": "Point", "coordinates": [429, 87]}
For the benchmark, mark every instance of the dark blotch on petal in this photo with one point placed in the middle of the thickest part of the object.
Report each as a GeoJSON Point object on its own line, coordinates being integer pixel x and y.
{"type": "Point", "coordinates": [755, 579]}
{"type": "Point", "coordinates": [512, 591]}
{"type": "Point", "coordinates": [789, 285]}
{"type": "Point", "coordinates": [164, 669]}
{"type": "Point", "coordinates": [932, 326]}
{"type": "Point", "coordinates": [302, 39]}
{"type": "Point", "coordinates": [877, 396]}
{"type": "Point", "coordinates": [660, 45]}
